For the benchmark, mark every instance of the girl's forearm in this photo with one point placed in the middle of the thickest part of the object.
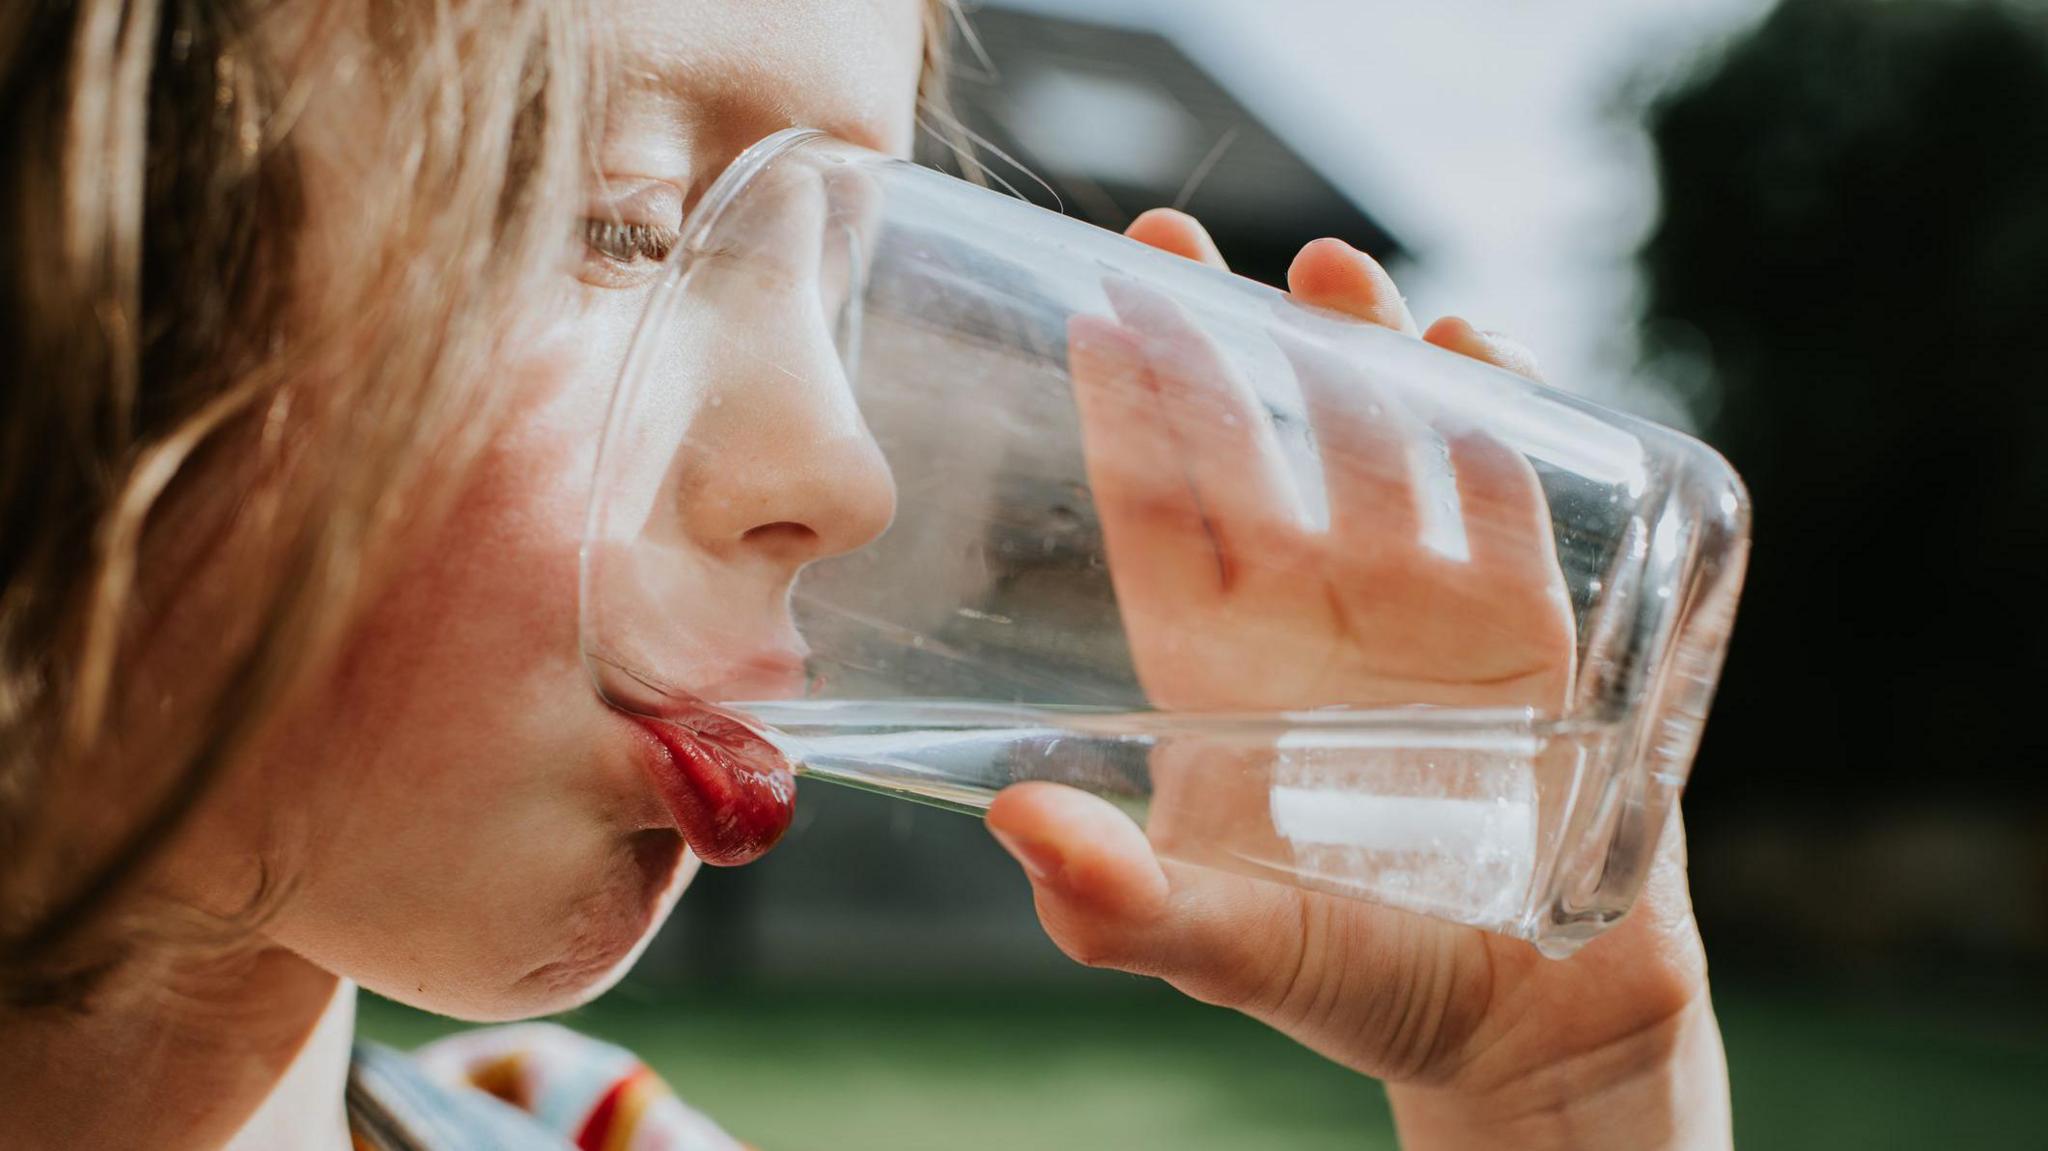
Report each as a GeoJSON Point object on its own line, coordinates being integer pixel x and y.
{"type": "Point", "coordinates": [1665, 1090]}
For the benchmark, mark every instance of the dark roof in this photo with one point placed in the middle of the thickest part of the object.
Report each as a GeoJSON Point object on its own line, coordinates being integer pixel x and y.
{"type": "Point", "coordinates": [1118, 121]}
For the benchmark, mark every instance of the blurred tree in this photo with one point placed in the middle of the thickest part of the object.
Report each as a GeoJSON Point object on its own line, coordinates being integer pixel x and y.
{"type": "Point", "coordinates": [1850, 280]}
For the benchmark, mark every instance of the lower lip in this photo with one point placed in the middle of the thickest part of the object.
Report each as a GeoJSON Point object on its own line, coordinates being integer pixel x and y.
{"type": "Point", "coordinates": [731, 793]}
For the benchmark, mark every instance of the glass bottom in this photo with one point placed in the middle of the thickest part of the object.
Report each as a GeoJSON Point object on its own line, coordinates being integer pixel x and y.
{"type": "Point", "coordinates": [1460, 815]}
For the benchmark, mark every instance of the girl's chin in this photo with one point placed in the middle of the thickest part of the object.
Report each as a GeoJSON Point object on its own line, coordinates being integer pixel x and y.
{"type": "Point", "coordinates": [607, 936]}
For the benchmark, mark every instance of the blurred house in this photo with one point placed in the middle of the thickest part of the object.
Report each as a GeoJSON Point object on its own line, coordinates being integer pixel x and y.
{"type": "Point", "coordinates": [1104, 122]}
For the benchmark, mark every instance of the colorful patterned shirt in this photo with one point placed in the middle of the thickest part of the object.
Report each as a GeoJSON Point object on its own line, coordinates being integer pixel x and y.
{"type": "Point", "coordinates": [530, 1087]}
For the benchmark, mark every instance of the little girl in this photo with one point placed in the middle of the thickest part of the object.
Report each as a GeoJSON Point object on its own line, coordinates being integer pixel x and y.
{"type": "Point", "coordinates": [311, 310]}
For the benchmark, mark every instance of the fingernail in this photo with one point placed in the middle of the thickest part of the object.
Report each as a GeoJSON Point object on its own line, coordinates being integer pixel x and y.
{"type": "Point", "coordinates": [1513, 354]}
{"type": "Point", "coordinates": [1041, 861]}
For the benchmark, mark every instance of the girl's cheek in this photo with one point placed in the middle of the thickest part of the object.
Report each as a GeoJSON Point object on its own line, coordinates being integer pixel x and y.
{"type": "Point", "coordinates": [498, 569]}
{"type": "Point", "coordinates": [562, 380]}
{"type": "Point", "coordinates": [504, 559]}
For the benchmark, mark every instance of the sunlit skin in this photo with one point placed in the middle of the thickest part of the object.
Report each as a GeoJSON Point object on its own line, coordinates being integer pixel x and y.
{"type": "Point", "coordinates": [473, 831]}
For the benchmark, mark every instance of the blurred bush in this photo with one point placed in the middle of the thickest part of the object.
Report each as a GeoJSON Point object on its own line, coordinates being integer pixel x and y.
{"type": "Point", "coordinates": [1850, 283]}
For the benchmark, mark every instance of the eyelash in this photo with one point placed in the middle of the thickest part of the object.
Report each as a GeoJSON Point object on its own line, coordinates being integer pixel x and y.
{"type": "Point", "coordinates": [626, 244]}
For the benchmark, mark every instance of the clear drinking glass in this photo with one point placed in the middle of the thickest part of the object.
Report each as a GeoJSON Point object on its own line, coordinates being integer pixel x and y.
{"type": "Point", "coordinates": [1311, 600]}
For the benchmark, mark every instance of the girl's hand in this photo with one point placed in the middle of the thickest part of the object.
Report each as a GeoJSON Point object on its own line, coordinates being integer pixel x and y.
{"type": "Point", "coordinates": [1482, 1042]}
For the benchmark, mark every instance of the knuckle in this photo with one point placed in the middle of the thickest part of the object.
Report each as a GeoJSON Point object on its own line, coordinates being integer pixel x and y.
{"type": "Point", "coordinates": [1289, 973]}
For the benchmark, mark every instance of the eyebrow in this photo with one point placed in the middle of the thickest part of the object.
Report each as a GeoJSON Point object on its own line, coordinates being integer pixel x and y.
{"type": "Point", "coordinates": [666, 78]}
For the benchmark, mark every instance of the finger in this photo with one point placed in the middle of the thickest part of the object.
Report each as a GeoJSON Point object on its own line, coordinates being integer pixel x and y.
{"type": "Point", "coordinates": [1107, 900]}
{"type": "Point", "coordinates": [1507, 517]}
{"type": "Point", "coordinates": [1084, 853]}
{"type": "Point", "coordinates": [1174, 231]}
{"type": "Point", "coordinates": [1366, 440]}
{"type": "Point", "coordinates": [1454, 334]}
{"type": "Point", "coordinates": [1332, 274]}
{"type": "Point", "coordinates": [1372, 988]}
{"type": "Point", "coordinates": [1227, 446]}
{"type": "Point", "coordinates": [1154, 529]}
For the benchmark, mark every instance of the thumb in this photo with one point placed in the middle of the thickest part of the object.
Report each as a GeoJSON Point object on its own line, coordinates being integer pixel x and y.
{"type": "Point", "coordinates": [1108, 901]}
{"type": "Point", "coordinates": [1361, 984]}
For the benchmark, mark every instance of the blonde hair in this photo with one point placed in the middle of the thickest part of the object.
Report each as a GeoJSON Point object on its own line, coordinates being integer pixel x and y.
{"type": "Point", "coordinates": [161, 358]}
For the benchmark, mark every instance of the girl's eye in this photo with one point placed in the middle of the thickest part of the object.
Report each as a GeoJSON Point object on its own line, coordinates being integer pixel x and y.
{"type": "Point", "coordinates": [628, 243]}
{"type": "Point", "coordinates": [628, 234]}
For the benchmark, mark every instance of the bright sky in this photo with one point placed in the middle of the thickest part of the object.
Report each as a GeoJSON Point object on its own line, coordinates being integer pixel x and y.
{"type": "Point", "coordinates": [1481, 132]}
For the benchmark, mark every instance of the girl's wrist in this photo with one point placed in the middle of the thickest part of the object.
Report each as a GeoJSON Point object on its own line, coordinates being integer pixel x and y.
{"type": "Point", "coordinates": [1665, 1087]}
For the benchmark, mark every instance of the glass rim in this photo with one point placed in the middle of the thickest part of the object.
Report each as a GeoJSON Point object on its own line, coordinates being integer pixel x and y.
{"type": "Point", "coordinates": [703, 219]}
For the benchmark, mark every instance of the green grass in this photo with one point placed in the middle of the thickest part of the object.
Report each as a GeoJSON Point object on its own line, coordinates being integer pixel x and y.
{"type": "Point", "coordinates": [1838, 1072]}
{"type": "Point", "coordinates": [1143, 1070]}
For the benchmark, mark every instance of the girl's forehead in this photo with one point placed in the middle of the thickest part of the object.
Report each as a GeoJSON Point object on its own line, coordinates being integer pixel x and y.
{"type": "Point", "coordinates": [851, 67]}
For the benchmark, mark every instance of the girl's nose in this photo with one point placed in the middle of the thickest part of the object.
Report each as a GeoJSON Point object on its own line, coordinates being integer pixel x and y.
{"type": "Point", "coordinates": [779, 465]}
{"type": "Point", "coordinates": [775, 464]}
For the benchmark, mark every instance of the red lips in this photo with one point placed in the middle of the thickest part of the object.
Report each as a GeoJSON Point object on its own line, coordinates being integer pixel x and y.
{"type": "Point", "coordinates": [731, 793]}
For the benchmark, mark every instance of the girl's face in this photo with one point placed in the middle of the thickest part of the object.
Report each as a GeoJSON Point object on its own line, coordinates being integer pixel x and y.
{"type": "Point", "coordinates": [484, 837]}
